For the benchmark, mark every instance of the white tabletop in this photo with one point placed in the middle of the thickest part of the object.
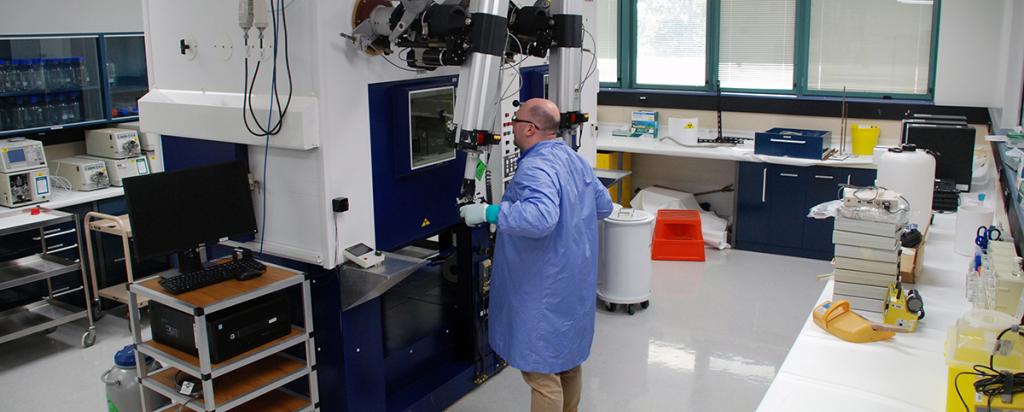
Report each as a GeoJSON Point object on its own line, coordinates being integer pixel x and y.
{"type": "Point", "coordinates": [60, 198]}
{"type": "Point", "coordinates": [745, 153]}
{"type": "Point", "coordinates": [905, 373]}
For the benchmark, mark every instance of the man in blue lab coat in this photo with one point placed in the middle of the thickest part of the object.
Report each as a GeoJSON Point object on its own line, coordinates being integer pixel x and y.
{"type": "Point", "coordinates": [544, 280]}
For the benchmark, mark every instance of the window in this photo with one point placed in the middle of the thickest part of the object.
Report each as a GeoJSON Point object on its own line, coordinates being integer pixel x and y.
{"type": "Point", "coordinates": [430, 128]}
{"type": "Point", "coordinates": [756, 47]}
{"type": "Point", "coordinates": [671, 40]}
{"type": "Point", "coordinates": [873, 48]}
{"type": "Point", "coordinates": [607, 40]}
{"type": "Point", "coordinates": [881, 46]}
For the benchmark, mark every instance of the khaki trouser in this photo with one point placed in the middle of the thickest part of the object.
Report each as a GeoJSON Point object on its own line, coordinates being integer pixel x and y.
{"type": "Point", "coordinates": [555, 392]}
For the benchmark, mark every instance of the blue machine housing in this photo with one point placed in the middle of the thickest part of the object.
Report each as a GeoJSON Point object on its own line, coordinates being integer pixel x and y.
{"type": "Point", "coordinates": [409, 205]}
{"type": "Point", "coordinates": [804, 144]}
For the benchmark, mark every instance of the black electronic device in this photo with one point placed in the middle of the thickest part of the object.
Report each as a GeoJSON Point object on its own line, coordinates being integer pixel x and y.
{"type": "Point", "coordinates": [241, 269]}
{"type": "Point", "coordinates": [954, 146]}
{"type": "Point", "coordinates": [229, 332]}
{"type": "Point", "coordinates": [179, 210]}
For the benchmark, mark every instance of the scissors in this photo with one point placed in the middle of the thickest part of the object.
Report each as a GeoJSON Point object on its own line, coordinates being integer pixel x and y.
{"type": "Point", "coordinates": [987, 234]}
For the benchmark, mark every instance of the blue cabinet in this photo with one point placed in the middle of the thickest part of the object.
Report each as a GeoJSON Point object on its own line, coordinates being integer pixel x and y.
{"type": "Point", "coordinates": [773, 201]}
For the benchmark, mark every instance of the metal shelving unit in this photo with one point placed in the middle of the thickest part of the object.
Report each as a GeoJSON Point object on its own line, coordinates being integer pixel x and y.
{"type": "Point", "coordinates": [251, 381]}
{"type": "Point", "coordinates": [48, 312]}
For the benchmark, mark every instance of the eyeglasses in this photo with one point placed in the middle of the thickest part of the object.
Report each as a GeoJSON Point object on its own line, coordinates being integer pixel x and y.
{"type": "Point", "coordinates": [518, 120]}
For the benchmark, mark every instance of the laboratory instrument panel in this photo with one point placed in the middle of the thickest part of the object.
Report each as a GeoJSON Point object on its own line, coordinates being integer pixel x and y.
{"type": "Point", "coordinates": [19, 153]}
{"type": "Point", "coordinates": [24, 178]}
{"type": "Point", "coordinates": [120, 169]}
{"type": "Point", "coordinates": [83, 174]}
{"type": "Point", "coordinates": [113, 143]}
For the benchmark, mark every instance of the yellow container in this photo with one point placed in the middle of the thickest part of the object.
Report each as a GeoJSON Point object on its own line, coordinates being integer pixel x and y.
{"type": "Point", "coordinates": [969, 343]}
{"type": "Point", "coordinates": [865, 138]}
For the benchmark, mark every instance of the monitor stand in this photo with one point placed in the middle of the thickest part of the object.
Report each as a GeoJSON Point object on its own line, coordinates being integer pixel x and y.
{"type": "Point", "coordinates": [189, 260]}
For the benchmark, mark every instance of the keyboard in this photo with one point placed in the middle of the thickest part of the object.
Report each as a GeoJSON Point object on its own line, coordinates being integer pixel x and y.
{"type": "Point", "coordinates": [187, 281]}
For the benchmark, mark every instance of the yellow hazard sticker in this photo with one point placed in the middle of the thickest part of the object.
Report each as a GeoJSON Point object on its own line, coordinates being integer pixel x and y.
{"type": "Point", "coordinates": [425, 223]}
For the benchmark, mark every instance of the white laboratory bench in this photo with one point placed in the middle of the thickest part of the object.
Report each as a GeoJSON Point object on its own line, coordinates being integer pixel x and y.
{"type": "Point", "coordinates": [905, 373]}
{"type": "Point", "coordinates": [743, 153]}
{"type": "Point", "coordinates": [61, 198]}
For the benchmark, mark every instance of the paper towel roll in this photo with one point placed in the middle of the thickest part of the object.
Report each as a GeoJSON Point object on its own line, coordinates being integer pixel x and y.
{"type": "Point", "coordinates": [968, 219]}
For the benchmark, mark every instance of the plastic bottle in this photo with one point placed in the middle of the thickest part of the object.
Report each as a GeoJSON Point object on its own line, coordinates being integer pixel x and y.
{"type": "Point", "coordinates": [112, 73]}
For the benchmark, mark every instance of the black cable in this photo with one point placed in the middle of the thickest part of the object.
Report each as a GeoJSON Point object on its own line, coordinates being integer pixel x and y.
{"type": "Point", "coordinates": [992, 383]}
{"type": "Point", "coordinates": [248, 87]}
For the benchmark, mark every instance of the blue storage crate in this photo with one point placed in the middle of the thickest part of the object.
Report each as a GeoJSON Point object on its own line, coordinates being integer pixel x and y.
{"type": "Point", "coordinates": [805, 144]}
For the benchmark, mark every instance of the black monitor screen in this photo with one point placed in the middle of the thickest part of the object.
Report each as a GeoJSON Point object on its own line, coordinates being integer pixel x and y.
{"type": "Point", "coordinates": [177, 210]}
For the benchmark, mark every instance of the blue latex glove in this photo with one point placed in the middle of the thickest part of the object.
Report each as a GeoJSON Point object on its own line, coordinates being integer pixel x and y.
{"type": "Point", "coordinates": [478, 213]}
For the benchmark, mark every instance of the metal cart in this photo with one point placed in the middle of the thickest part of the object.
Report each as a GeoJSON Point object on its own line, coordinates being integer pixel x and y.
{"type": "Point", "coordinates": [46, 313]}
{"type": "Point", "coordinates": [117, 226]}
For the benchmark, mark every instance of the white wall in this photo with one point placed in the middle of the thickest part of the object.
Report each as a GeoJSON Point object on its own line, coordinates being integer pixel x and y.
{"type": "Point", "coordinates": [966, 73]}
{"type": "Point", "coordinates": [70, 16]}
{"type": "Point", "coordinates": [1005, 110]}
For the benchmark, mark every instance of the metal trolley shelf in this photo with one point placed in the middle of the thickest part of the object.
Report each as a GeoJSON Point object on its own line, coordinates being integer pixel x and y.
{"type": "Point", "coordinates": [251, 381]}
{"type": "Point", "coordinates": [47, 313]}
{"type": "Point", "coordinates": [118, 226]}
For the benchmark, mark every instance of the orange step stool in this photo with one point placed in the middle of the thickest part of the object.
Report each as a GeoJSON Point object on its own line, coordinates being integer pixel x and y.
{"type": "Point", "coordinates": [677, 236]}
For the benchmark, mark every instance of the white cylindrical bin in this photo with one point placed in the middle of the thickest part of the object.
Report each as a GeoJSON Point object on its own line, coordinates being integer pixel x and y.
{"type": "Point", "coordinates": [600, 246]}
{"type": "Point", "coordinates": [968, 219]}
{"type": "Point", "coordinates": [911, 173]}
{"type": "Point", "coordinates": [627, 258]}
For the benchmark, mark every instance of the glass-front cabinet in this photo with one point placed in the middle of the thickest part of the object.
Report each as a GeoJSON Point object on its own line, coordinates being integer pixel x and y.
{"type": "Point", "coordinates": [52, 82]}
{"type": "Point", "coordinates": [125, 66]}
{"type": "Point", "coordinates": [49, 81]}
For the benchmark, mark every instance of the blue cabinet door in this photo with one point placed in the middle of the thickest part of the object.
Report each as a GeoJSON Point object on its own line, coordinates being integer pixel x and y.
{"type": "Point", "coordinates": [751, 203]}
{"type": "Point", "coordinates": [786, 195]}
{"type": "Point", "coordinates": [824, 185]}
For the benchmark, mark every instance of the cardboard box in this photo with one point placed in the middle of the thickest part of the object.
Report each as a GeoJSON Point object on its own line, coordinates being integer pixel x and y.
{"type": "Point", "coordinates": [644, 124]}
{"type": "Point", "coordinates": [912, 260]}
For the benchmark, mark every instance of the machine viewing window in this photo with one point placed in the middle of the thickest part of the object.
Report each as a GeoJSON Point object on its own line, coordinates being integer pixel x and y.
{"type": "Point", "coordinates": [431, 133]}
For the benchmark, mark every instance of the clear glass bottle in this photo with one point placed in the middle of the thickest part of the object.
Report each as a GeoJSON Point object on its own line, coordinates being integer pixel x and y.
{"type": "Point", "coordinates": [51, 110]}
{"type": "Point", "coordinates": [35, 113]}
{"type": "Point", "coordinates": [36, 75]}
{"type": "Point", "coordinates": [83, 78]}
{"type": "Point", "coordinates": [4, 68]}
{"type": "Point", "coordinates": [20, 113]}
{"type": "Point", "coordinates": [75, 107]}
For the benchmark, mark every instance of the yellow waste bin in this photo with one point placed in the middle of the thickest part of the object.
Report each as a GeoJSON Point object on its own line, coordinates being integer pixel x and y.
{"type": "Point", "coordinates": [865, 138]}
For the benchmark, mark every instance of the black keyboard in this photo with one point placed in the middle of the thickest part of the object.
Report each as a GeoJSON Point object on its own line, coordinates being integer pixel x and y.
{"type": "Point", "coordinates": [245, 268]}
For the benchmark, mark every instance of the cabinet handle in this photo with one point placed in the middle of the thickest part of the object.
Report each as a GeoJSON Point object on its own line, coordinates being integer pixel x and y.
{"type": "Point", "coordinates": [54, 233]}
{"type": "Point", "coordinates": [63, 249]}
{"type": "Point", "coordinates": [847, 180]}
{"type": "Point", "coordinates": [823, 177]}
{"type": "Point", "coordinates": [788, 141]}
{"type": "Point", "coordinates": [764, 183]}
{"type": "Point", "coordinates": [789, 175]}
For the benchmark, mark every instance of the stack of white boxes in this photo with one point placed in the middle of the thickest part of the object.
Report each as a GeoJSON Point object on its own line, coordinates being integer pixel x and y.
{"type": "Point", "coordinates": [867, 260]}
{"type": "Point", "coordinates": [120, 150]}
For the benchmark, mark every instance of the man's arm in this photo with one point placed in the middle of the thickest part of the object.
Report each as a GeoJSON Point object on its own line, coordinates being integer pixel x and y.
{"type": "Point", "coordinates": [536, 213]}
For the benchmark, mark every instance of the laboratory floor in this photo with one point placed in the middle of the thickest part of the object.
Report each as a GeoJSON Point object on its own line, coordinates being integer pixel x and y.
{"type": "Point", "coordinates": [713, 338]}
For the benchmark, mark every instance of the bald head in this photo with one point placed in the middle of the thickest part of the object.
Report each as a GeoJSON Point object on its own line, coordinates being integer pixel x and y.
{"type": "Point", "coordinates": [545, 113]}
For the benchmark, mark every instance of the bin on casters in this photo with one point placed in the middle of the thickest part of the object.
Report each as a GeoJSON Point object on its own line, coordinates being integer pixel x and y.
{"type": "Point", "coordinates": [626, 260]}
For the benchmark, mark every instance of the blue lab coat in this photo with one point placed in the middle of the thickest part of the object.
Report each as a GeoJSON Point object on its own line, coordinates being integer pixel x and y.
{"type": "Point", "coordinates": [544, 282]}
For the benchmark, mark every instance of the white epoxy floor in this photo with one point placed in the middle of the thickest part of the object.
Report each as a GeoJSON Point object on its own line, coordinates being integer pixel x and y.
{"type": "Point", "coordinates": [713, 339]}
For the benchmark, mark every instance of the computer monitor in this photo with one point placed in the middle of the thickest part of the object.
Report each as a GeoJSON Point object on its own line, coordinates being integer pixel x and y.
{"type": "Point", "coordinates": [179, 210]}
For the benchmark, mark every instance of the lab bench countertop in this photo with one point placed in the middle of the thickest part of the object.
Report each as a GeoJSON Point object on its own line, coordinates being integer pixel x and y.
{"type": "Point", "coordinates": [60, 198]}
{"type": "Point", "coordinates": [741, 153]}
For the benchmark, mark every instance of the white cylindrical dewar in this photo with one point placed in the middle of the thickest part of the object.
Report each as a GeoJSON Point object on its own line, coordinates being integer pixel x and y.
{"type": "Point", "coordinates": [911, 173]}
{"type": "Point", "coordinates": [627, 255]}
{"type": "Point", "coordinates": [968, 219]}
